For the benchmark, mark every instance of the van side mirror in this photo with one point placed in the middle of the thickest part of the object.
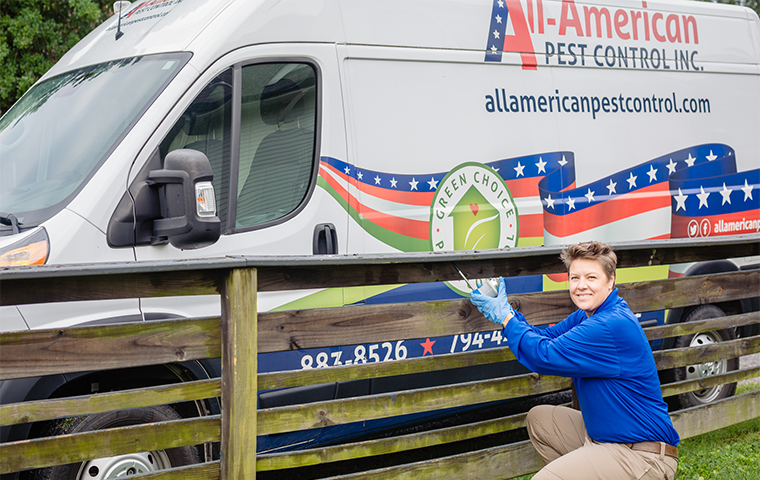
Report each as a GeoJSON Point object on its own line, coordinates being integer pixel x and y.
{"type": "Point", "coordinates": [187, 204]}
{"type": "Point", "coordinates": [174, 204]}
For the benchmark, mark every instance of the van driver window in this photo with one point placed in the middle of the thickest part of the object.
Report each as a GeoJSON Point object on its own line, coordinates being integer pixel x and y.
{"type": "Point", "coordinates": [205, 126]}
{"type": "Point", "coordinates": [276, 141]}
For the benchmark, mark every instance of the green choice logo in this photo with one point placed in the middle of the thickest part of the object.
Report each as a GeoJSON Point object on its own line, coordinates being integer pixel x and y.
{"type": "Point", "coordinates": [472, 210]}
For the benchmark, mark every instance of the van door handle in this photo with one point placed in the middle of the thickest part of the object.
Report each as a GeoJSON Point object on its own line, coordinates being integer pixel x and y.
{"type": "Point", "coordinates": [325, 240]}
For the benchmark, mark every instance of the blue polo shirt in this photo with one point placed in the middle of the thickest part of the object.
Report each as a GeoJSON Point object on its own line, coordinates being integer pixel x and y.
{"type": "Point", "coordinates": [609, 358]}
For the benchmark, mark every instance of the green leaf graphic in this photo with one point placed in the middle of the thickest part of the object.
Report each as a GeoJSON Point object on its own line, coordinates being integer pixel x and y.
{"type": "Point", "coordinates": [476, 222]}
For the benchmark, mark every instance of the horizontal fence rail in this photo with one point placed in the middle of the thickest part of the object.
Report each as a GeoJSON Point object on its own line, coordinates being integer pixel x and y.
{"type": "Point", "coordinates": [241, 333]}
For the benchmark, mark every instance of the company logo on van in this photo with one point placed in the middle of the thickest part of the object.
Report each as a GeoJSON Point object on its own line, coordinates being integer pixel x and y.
{"type": "Point", "coordinates": [472, 210]}
{"type": "Point", "coordinates": [566, 33]}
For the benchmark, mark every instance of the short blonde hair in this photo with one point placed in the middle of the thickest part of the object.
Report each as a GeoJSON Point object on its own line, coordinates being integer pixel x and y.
{"type": "Point", "coordinates": [592, 250]}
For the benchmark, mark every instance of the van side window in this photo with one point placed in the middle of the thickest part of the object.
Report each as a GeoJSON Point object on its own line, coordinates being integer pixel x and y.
{"type": "Point", "coordinates": [206, 126]}
{"type": "Point", "coordinates": [276, 141]}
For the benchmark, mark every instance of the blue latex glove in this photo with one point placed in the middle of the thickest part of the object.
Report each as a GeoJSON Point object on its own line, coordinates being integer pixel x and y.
{"type": "Point", "coordinates": [496, 309]}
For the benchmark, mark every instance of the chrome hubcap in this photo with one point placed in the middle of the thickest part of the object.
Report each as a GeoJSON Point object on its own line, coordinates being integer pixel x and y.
{"type": "Point", "coordinates": [123, 466]}
{"type": "Point", "coordinates": [709, 369]}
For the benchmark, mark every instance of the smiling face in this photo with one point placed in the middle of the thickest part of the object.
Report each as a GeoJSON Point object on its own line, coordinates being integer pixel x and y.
{"type": "Point", "coordinates": [589, 285]}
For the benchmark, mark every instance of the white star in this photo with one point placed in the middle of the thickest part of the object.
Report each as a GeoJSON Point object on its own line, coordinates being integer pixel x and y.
{"type": "Point", "coordinates": [652, 173]}
{"type": "Point", "coordinates": [712, 156]}
{"type": "Point", "coordinates": [495, 169]}
{"type": "Point", "coordinates": [590, 195]}
{"type": "Point", "coordinates": [611, 187]}
{"type": "Point", "coordinates": [726, 194]}
{"type": "Point", "coordinates": [549, 201]}
{"type": "Point", "coordinates": [393, 182]}
{"type": "Point", "coordinates": [680, 200]}
{"type": "Point", "coordinates": [433, 183]}
{"type": "Point", "coordinates": [631, 181]}
{"type": "Point", "coordinates": [519, 169]}
{"type": "Point", "coordinates": [498, 18]}
{"type": "Point", "coordinates": [501, 4]}
{"type": "Point", "coordinates": [413, 183]}
{"type": "Point", "coordinates": [671, 167]}
{"type": "Point", "coordinates": [495, 34]}
{"type": "Point", "coordinates": [377, 180]}
{"type": "Point", "coordinates": [562, 162]}
{"type": "Point", "coordinates": [541, 165]}
{"type": "Point", "coordinates": [494, 49]}
{"type": "Point", "coordinates": [690, 161]}
{"type": "Point", "coordinates": [359, 175]}
{"type": "Point", "coordinates": [570, 203]}
{"type": "Point", "coordinates": [703, 197]}
{"type": "Point", "coordinates": [747, 189]}
{"type": "Point", "coordinates": [347, 170]}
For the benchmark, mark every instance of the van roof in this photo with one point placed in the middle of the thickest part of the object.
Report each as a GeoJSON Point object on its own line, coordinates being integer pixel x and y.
{"type": "Point", "coordinates": [210, 29]}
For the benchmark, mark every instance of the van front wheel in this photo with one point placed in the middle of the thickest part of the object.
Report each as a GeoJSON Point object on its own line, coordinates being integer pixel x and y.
{"type": "Point", "coordinates": [708, 369]}
{"type": "Point", "coordinates": [120, 465]}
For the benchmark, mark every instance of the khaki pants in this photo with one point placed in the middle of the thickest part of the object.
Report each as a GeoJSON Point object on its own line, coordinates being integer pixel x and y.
{"type": "Point", "coordinates": [559, 436]}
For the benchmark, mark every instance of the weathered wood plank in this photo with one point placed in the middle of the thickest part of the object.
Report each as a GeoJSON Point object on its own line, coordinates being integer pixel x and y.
{"type": "Point", "coordinates": [685, 291]}
{"type": "Point", "coordinates": [239, 379]}
{"type": "Point", "coordinates": [388, 445]}
{"type": "Point", "coordinates": [78, 447]}
{"type": "Point", "coordinates": [336, 412]}
{"type": "Point", "coordinates": [15, 413]}
{"type": "Point", "coordinates": [77, 349]}
{"type": "Point", "coordinates": [317, 328]}
{"type": "Point", "coordinates": [708, 325]}
{"type": "Point", "coordinates": [521, 458]}
{"type": "Point", "coordinates": [706, 418]}
{"type": "Point", "coordinates": [17, 291]}
{"type": "Point", "coordinates": [203, 471]}
{"type": "Point", "coordinates": [677, 388]}
{"type": "Point", "coordinates": [130, 280]}
{"type": "Point", "coordinates": [383, 369]}
{"type": "Point", "coordinates": [681, 357]}
{"type": "Point", "coordinates": [387, 270]}
{"type": "Point", "coordinates": [506, 461]}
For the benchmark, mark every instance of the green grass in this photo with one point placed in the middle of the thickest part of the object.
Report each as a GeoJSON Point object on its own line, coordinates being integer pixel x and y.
{"type": "Point", "coordinates": [731, 453]}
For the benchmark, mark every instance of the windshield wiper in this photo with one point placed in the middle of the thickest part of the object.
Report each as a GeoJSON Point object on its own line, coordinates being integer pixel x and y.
{"type": "Point", "coordinates": [10, 219]}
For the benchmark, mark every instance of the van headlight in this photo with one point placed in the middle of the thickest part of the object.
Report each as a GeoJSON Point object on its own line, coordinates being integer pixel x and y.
{"type": "Point", "coordinates": [32, 250]}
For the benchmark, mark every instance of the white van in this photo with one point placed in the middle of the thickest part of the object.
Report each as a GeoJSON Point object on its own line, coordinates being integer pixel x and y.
{"type": "Point", "coordinates": [188, 129]}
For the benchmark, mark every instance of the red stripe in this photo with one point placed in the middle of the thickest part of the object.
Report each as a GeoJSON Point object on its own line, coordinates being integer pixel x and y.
{"type": "Point", "coordinates": [642, 201]}
{"type": "Point", "coordinates": [403, 226]}
{"type": "Point", "coordinates": [532, 225]}
{"type": "Point", "coordinates": [423, 199]}
{"type": "Point", "coordinates": [523, 187]}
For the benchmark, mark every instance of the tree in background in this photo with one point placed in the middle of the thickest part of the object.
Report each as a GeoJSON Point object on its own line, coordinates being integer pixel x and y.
{"type": "Point", "coordinates": [34, 34]}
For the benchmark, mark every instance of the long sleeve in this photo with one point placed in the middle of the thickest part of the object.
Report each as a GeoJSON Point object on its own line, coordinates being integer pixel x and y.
{"type": "Point", "coordinates": [612, 367]}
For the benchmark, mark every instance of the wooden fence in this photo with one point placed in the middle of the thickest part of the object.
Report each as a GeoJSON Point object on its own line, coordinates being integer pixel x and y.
{"type": "Point", "coordinates": [241, 333]}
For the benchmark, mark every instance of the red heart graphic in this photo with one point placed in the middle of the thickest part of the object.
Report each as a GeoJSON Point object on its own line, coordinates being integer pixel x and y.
{"type": "Point", "coordinates": [474, 207]}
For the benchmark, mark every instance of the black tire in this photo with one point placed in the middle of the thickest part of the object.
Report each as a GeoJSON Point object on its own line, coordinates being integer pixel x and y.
{"type": "Point", "coordinates": [112, 467]}
{"type": "Point", "coordinates": [707, 395]}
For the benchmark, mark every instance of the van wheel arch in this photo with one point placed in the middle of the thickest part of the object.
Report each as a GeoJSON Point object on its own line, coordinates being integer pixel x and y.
{"type": "Point", "coordinates": [131, 378]}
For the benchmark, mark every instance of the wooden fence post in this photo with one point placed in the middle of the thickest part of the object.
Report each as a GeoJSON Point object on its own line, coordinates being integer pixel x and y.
{"type": "Point", "coordinates": [239, 382]}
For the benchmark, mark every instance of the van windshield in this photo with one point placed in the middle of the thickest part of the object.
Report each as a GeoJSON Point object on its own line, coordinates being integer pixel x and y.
{"type": "Point", "coordinates": [58, 134]}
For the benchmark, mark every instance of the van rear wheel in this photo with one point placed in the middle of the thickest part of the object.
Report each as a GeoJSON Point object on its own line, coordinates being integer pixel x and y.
{"type": "Point", "coordinates": [118, 466]}
{"type": "Point", "coordinates": [708, 369]}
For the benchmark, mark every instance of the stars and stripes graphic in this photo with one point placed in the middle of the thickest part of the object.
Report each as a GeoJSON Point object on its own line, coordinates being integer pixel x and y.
{"type": "Point", "coordinates": [497, 31]}
{"type": "Point", "coordinates": [395, 208]}
{"type": "Point", "coordinates": [696, 191]}
{"type": "Point", "coordinates": [508, 31]}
